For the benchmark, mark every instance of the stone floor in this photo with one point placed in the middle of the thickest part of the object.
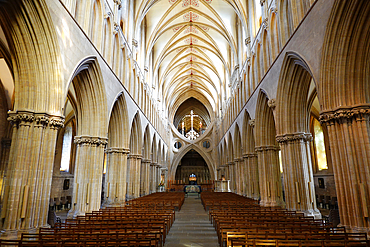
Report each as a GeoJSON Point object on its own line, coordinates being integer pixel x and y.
{"type": "Point", "coordinates": [192, 227]}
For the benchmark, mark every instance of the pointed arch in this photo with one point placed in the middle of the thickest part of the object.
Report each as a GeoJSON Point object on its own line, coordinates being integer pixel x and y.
{"type": "Point", "coordinates": [136, 135]}
{"type": "Point", "coordinates": [118, 131]}
{"type": "Point", "coordinates": [91, 100]}
{"type": "Point", "coordinates": [293, 108]}
{"type": "Point", "coordinates": [238, 150]}
{"type": "Point", "coordinates": [183, 151]}
{"type": "Point", "coordinates": [248, 134]}
{"type": "Point", "coordinates": [147, 143]}
{"type": "Point", "coordinates": [265, 122]}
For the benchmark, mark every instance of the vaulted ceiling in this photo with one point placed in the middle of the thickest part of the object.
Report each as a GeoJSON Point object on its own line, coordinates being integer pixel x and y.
{"type": "Point", "coordinates": [191, 47]}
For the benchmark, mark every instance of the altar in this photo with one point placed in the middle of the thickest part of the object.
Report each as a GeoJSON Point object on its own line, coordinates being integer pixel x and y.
{"type": "Point", "coordinates": [192, 189]}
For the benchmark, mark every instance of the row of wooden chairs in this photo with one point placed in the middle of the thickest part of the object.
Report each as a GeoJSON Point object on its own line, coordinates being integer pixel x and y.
{"type": "Point", "coordinates": [137, 223]}
{"type": "Point", "coordinates": [240, 221]}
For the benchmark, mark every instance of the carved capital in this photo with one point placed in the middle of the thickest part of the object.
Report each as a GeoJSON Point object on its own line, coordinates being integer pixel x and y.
{"type": "Point", "coordinates": [294, 137]}
{"type": "Point", "coordinates": [252, 122]}
{"type": "Point", "coordinates": [56, 122]}
{"type": "Point", "coordinates": [249, 155]}
{"type": "Point", "coordinates": [116, 28]}
{"type": "Point", "coordinates": [118, 150]}
{"type": "Point", "coordinates": [135, 42]}
{"type": "Point", "coordinates": [23, 117]}
{"type": "Point", "coordinates": [357, 113]}
{"type": "Point", "coordinates": [267, 148]}
{"type": "Point", "coordinates": [271, 103]}
{"type": "Point", "coordinates": [134, 156]}
{"type": "Point", "coordinates": [247, 41]}
{"type": "Point", "coordinates": [262, 2]}
{"type": "Point", "coordinates": [41, 120]}
{"type": "Point", "coordinates": [265, 23]}
{"type": "Point", "coordinates": [90, 140]}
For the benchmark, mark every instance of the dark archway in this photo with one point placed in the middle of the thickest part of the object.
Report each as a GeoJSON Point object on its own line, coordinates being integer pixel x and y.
{"type": "Point", "coordinates": [192, 163]}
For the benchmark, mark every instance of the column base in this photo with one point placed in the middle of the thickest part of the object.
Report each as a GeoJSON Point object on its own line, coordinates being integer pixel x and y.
{"type": "Point", "coordinates": [314, 213]}
{"type": "Point", "coordinates": [11, 234]}
{"type": "Point", "coordinates": [74, 213]}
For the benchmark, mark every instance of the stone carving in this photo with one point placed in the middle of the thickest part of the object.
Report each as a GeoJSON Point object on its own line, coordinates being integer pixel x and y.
{"type": "Point", "coordinates": [301, 136]}
{"type": "Point", "coordinates": [252, 122]}
{"type": "Point", "coordinates": [135, 156]}
{"type": "Point", "coordinates": [267, 148]}
{"type": "Point", "coordinates": [135, 42]}
{"type": "Point", "coordinates": [56, 122]}
{"type": "Point", "coordinates": [90, 140]}
{"type": "Point", "coordinates": [344, 113]}
{"type": "Point", "coordinates": [250, 155]}
{"type": "Point", "coordinates": [117, 150]}
{"type": "Point", "coordinates": [40, 119]}
{"type": "Point", "coordinates": [271, 103]}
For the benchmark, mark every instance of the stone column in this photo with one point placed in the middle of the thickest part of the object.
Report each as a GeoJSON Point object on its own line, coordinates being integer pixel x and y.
{"type": "Point", "coordinates": [88, 174]}
{"type": "Point", "coordinates": [29, 174]}
{"type": "Point", "coordinates": [133, 190]}
{"type": "Point", "coordinates": [158, 175]}
{"type": "Point", "coordinates": [115, 177]}
{"type": "Point", "coordinates": [145, 177]}
{"type": "Point", "coordinates": [238, 171]}
{"type": "Point", "coordinates": [269, 176]}
{"type": "Point", "coordinates": [232, 177]}
{"type": "Point", "coordinates": [349, 139]}
{"type": "Point", "coordinates": [298, 174]}
{"type": "Point", "coordinates": [153, 187]}
{"type": "Point", "coordinates": [251, 177]}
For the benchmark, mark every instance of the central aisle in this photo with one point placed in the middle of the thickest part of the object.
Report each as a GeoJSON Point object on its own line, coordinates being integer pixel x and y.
{"type": "Point", "coordinates": [192, 226]}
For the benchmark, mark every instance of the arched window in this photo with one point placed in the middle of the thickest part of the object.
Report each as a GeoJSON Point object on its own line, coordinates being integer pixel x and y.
{"type": "Point", "coordinates": [66, 148]}
{"type": "Point", "coordinates": [319, 145]}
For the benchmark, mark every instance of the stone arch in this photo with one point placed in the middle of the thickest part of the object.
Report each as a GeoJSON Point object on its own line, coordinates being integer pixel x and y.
{"type": "Point", "coordinates": [274, 35]}
{"type": "Point", "coordinates": [266, 51]}
{"type": "Point", "coordinates": [136, 135]}
{"type": "Point", "coordinates": [134, 161]}
{"type": "Point", "coordinates": [90, 97]}
{"type": "Point", "coordinates": [251, 178]}
{"type": "Point", "coordinates": [293, 117]}
{"type": "Point", "coordinates": [91, 115]}
{"type": "Point", "coordinates": [268, 154]}
{"type": "Point", "coordinates": [181, 154]}
{"type": "Point", "coordinates": [116, 154]}
{"type": "Point", "coordinates": [238, 159]}
{"type": "Point", "coordinates": [292, 107]}
{"type": "Point", "coordinates": [96, 23]}
{"type": "Point", "coordinates": [285, 21]}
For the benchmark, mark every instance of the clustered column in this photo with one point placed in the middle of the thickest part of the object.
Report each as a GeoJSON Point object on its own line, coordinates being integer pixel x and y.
{"type": "Point", "coordinates": [239, 176]}
{"type": "Point", "coordinates": [116, 175]}
{"type": "Point", "coordinates": [298, 178]}
{"type": "Point", "coordinates": [145, 177]}
{"type": "Point", "coordinates": [133, 190]}
{"type": "Point", "coordinates": [269, 176]}
{"type": "Point", "coordinates": [251, 185]}
{"type": "Point", "coordinates": [153, 181]}
{"type": "Point", "coordinates": [30, 169]}
{"type": "Point", "coordinates": [88, 174]}
{"type": "Point", "coordinates": [349, 138]}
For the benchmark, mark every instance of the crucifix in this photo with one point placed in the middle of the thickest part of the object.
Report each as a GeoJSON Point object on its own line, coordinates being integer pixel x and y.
{"type": "Point", "coordinates": [192, 134]}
